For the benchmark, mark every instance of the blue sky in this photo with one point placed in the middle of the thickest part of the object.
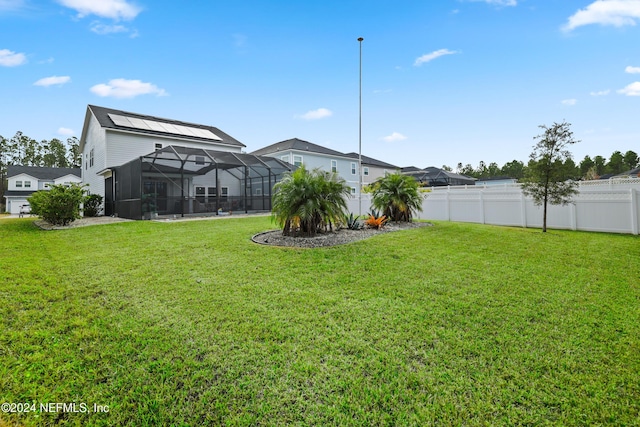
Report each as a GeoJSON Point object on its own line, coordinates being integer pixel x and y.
{"type": "Point", "coordinates": [443, 81]}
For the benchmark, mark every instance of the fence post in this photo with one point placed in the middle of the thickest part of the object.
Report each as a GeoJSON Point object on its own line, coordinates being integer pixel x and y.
{"type": "Point", "coordinates": [634, 211]}
{"type": "Point", "coordinates": [523, 209]}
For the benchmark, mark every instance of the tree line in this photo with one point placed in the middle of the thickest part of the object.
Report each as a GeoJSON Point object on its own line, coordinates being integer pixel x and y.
{"type": "Point", "coordinates": [25, 151]}
{"type": "Point", "coordinates": [588, 168]}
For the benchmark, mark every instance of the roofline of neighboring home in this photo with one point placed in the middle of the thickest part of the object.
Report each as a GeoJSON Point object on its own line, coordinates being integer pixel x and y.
{"type": "Point", "coordinates": [226, 139]}
{"type": "Point", "coordinates": [36, 172]}
{"type": "Point", "coordinates": [275, 148]}
{"type": "Point", "coordinates": [366, 160]}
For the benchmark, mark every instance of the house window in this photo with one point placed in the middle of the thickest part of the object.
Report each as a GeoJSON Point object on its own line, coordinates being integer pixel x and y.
{"type": "Point", "coordinates": [353, 191]}
{"type": "Point", "coordinates": [224, 191]}
{"type": "Point", "coordinates": [353, 168]}
{"type": "Point", "coordinates": [258, 192]}
{"type": "Point", "coordinates": [18, 184]}
{"type": "Point", "coordinates": [27, 184]}
{"type": "Point", "coordinates": [91, 158]}
{"type": "Point", "coordinates": [297, 160]}
{"type": "Point", "coordinates": [212, 192]}
{"type": "Point", "coordinates": [334, 166]}
{"type": "Point", "coordinates": [47, 185]}
{"type": "Point", "coordinates": [365, 171]}
{"type": "Point", "coordinates": [158, 147]}
{"type": "Point", "coordinates": [285, 159]}
{"type": "Point", "coordinates": [200, 194]}
{"type": "Point", "coordinates": [199, 160]}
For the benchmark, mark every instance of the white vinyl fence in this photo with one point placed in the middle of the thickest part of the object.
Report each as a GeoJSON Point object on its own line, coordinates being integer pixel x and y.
{"type": "Point", "coordinates": [611, 206]}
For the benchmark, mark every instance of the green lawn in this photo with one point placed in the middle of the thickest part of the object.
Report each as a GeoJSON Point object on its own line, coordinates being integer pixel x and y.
{"type": "Point", "coordinates": [191, 323]}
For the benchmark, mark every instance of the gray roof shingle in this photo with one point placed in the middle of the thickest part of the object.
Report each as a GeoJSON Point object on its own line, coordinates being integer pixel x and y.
{"type": "Point", "coordinates": [102, 115]}
{"type": "Point", "coordinates": [298, 145]}
{"type": "Point", "coordinates": [47, 174]}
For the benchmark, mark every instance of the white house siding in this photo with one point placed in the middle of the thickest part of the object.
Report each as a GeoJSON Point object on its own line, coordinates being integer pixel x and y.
{"type": "Point", "coordinates": [23, 177]}
{"type": "Point", "coordinates": [312, 160]}
{"type": "Point", "coordinates": [96, 140]}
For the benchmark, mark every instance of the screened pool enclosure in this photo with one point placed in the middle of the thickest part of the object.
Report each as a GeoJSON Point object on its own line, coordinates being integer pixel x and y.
{"type": "Point", "coordinates": [184, 181]}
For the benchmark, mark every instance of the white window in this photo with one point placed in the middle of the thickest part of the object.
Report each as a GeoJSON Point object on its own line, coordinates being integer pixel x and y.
{"type": "Point", "coordinates": [297, 160]}
{"type": "Point", "coordinates": [258, 192]}
{"type": "Point", "coordinates": [365, 171]}
{"type": "Point", "coordinates": [353, 168]}
{"type": "Point", "coordinates": [353, 191]}
{"type": "Point", "coordinates": [47, 185]}
{"type": "Point", "coordinates": [27, 184]}
{"type": "Point", "coordinates": [18, 184]}
{"type": "Point", "coordinates": [91, 158]}
{"type": "Point", "coordinates": [199, 160]}
{"type": "Point", "coordinates": [285, 158]}
{"type": "Point", "coordinates": [334, 166]}
{"type": "Point", "coordinates": [224, 191]}
{"type": "Point", "coordinates": [158, 147]}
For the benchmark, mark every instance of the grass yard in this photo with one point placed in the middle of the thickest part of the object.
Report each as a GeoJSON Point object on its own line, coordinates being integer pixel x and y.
{"type": "Point", "coordinates": [192, 324]}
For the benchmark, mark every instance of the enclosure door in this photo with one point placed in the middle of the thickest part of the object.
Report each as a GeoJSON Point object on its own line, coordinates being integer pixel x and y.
{"type": "Point", "coordinates": [158, 192]}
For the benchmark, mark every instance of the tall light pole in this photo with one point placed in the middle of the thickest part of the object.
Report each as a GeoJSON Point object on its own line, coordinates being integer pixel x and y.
{"type": "Point", "coordinates": [360, 39]}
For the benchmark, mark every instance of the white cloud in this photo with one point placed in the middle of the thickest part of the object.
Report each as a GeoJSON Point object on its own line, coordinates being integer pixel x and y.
{"type": "Point", "coordinates": [600, 93]}
{"type": "Point", "coordinates": [500, 2]}
{"type": "Point", "coordinates": [569, 102]}
{"type": "Point", "coordinates": [113, 9]}
{"type": "Point", "coordinates": [53, 80]}
{"type": "Point", "coordinates": [433, 55]}
{"type": "Point", "coordinates": [66, 132]}
{"type": "Point", "coordinates": [394, 137]}
{"type": "Point", "coordinates": [631, 90]}
{"type": "Point", "coordinates": [632, 70]}
{"type": "Point", "coordinates": [11, 59]}
{"type": "Point", "coordinates": [320, 113]}
{"type": "Point", "coordinates": [122, 88]}
{"type": "Point", "coordinates": [606, 12]}
{"type": "Point", "coordinates": [102, 29]}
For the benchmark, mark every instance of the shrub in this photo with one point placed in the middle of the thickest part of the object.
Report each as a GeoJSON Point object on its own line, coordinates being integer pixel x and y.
{"type": "Point", "coordinates": [306, 202]}
{"type": "Point", "coordinates": [59, 205]}
{"type": "Point", "coordinates": [92, 205]}
{"type": "Point", "coordinates": [353, 222]}
{"type": "Point", "coordinates": [397, 196]}
{"type": "Point", "coordinates": [376, 220]}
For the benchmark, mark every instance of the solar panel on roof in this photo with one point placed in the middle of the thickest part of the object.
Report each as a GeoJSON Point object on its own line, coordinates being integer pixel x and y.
{"type": "Point", "coordinates": [120, 120]}
{"type": "Point", "coordinates": [145, 124]}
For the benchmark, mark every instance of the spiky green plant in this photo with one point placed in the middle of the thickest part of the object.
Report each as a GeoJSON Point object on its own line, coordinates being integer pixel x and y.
{"type": "Point", "coordinates": [397, 196]}
{"type": "Point", "coordinates": [307, 202]}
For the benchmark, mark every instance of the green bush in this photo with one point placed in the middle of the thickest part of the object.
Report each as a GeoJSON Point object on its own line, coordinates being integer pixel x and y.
{"type": "Point", "coordinates": [92, 205]}
{"type": "Point", "coordinates": [397, 196]}
{"type": "Point", "coordinates": [59, 205]}
{"type": "Point", "coordinates": [306, 202]}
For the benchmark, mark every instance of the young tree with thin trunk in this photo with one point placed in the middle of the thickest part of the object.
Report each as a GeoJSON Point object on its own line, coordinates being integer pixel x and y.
{"type": "Point", "coordinates": [547, 181]}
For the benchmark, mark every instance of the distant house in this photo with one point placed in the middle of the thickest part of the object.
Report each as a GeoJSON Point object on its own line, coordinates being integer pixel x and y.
{"type": "Point", "coordinates": [633, 173]}
{"type": "Point", "coordinates": [436, 177]}
{"type": "Point", "coordinates": [145, 165]}
{"type": "Point", "coordinates": [23, 181]}
{"type": "Point", "coordinates": [496, 180]}
{"type": "Point", "coordinates": [373, 169]}
{"type": "Point", "coordinates": [297, 152]}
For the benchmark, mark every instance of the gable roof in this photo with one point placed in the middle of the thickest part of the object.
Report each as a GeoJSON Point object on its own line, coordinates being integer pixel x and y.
{"type": "Point", "coordinates": [298, 145]}
{"type": "Point", "coordinates": [366, 160]}
{"type": "Point", "coordinates": [47, 174]}
{"type": "Point", "coordinates": [197, 132]}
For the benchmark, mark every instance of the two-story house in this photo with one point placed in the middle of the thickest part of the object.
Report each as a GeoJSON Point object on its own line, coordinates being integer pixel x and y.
{"type": "Point", "coordinates": [143, 164]}
{"type": "Point", "coordinates": [25, 180]}
{"type": "Point", "coordinates": [298, 152]}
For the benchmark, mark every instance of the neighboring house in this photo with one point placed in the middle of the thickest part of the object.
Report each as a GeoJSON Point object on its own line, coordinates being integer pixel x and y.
{"type": "Point", "coordinates": [297, 152]}
{"type": "Point", "coordinates": [373, 169]}
{"type": "Point", "coordinates": [496, 180]}
{"type": "Point", "coordinates": [25, 180]}
{"type": "Point", "coordinates": [633, 173]}
{"type": "Point", "coordinates": [144, 165]}
{"type": "Point", "coordinates": [436, 177]}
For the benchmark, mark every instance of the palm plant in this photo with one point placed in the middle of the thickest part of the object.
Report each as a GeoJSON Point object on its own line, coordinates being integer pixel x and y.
{"type": "Point", "coordinates": [397, 196]}
{"type": "Point", "coordinates": [306, 202]}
